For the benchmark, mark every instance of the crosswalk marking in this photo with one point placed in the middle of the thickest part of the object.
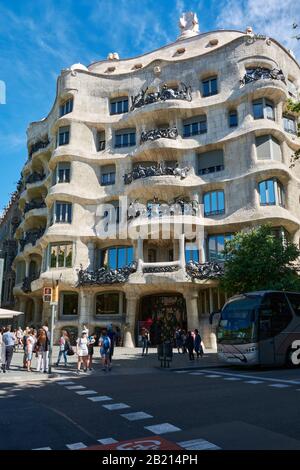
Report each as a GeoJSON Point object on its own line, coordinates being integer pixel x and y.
{"type": "Point", "coordinates": [100, 398]}
{"type": "Point", "coordinates": [196, 373]}
{"type": "Point", "coordinates": [279, 385]}
{"type": "Point", "coordinates": [198, 444]}
{"type": "Point", "coordinates": [180, 371]}
{"type": "Point", "coordinates": [108, 440]}
{"type": "Point", "coordinates": [76, 446]}
{"type": "Point", "coordinates": [213, 376]}
{"type": "Point", "coordinates": [86, 392]}
{"type": "Point", "coordinates": [65, 382]}
{"type": "Point", "coordinates": [43, 448]}
{"type": "Point", "coordinates": [162, 428]}
{"type": "Point", "coordinates": [233, 379]}
{"type": "Point", "coordinates": [116, 406]}
{"type": "Point", "coordinates": [75, 387]}
{"type": "Point", "coordinates": [136, 416]}
{"type": "Point", "coordinates": [254, 382]}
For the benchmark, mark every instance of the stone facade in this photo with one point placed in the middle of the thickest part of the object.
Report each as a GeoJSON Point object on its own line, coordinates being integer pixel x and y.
{"type": "Point", "coordinates": [230, 136]}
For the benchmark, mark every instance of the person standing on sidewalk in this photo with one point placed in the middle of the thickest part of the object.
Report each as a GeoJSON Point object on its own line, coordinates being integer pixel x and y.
{"type": "Point", "coordinates": [112, 336]}
{"type": "Point", "coordinates": [64, 345]}
{"type": "Point", "coordinates": [82, 352]}
{"type": "Point", "coordinates": [9, 340]}
{"type": "Point", "coordinates": [41, 350]}
{"type": "Point", "coordinates": [145, 342]}
{"type": "Point", "coordinates": [189, 343]}
{"type": "Point", "coordinates": [198, 346]}
{"type": "Point", "coordinates": [91, 344]}
{"type": "Point", "coordinates": [2, 352]}
{"type": "Point", "coordinates": [30, 344]}
{"type": "Point", "coordinates": [104, 344]}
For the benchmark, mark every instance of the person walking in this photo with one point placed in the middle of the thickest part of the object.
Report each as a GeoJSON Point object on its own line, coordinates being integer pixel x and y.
{"type": "Point", "coordinates": [198, 345]}
{"type": "Point", "coordinates": [64, 345]}
{"type": "Point", "coordinates": [30, 344]}
{"type": "Point", "coordinates": [91, 343]}
{"type": "Point", "coordinates": [8, 339]}
{"type": "Point", "coordinates": [189, 343]}
{"type": "Point", "coordinates": [2, 351]}
{"type": "Point", "coordinates": [104, 344]}
{"type": "Point", "coordinates": [112, 336]}
{"type": "Point", "coordinates": [19, 336]}
{"type": "Point", "coordinates": [46, 356]}
{"type": "Point", "coordinates": [82, 352]}
{"type": "Point", "coordinates": [145, 342]}
{"type": "Point", "coordinates": [178, 339]}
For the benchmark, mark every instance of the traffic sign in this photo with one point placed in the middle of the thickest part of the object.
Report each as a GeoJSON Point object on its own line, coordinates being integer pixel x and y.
{"type": "Point", "coordinates": [47, 294]}
{"type": "Point", "coordinates": [145, 443]}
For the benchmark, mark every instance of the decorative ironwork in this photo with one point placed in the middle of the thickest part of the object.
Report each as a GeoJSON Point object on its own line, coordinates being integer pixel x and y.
{"type": "Point", "coordinates": [34, 177]}
{"type": "Point", "coordinates": [34, 204]}
{"type": "Point", "coordinates": [155, 134]}
{"type": "Point", "coordinates": [160, 269]}
{"type": "Point", "coordinates": [155, 208]}
{"type": "Point", "coordinates": [183, 92]}
{"type": "Point", "coordinates": [210, 270]}
{"type": "Point", "coordinates": [105, 275]}
{"type": "Point", "coordinates": [262, 73]}
{"type": "Point", "coordinates": [40, 144]}
{"type": "Point", "coordinates": [26, 286]}
{"type": "Point", "coordinates": [31, 237]}
{"type": "Point", "coordinates": [159, 169]}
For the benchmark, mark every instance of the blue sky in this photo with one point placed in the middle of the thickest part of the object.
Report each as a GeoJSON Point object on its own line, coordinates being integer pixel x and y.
{"type": "Point", "coordinates": [38, 38]}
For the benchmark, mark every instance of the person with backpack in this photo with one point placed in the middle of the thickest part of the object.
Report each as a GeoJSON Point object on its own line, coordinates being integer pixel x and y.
{"type": "Point", "coordinates": [82, 352]}
{"type": "Point", "coordinates": [198, 345]}
{"type": "Point", "coordinates": [64, 345]}
{"type": "Point", "coordinates": [91, 344]}
{"type": "Point", "coordinates": [105, 345]}
{"type": "Point", "coordinates": [112, 336]}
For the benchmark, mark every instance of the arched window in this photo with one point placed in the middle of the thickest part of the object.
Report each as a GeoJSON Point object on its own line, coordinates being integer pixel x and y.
{"type": "Point", "coordinates": [271, 193]}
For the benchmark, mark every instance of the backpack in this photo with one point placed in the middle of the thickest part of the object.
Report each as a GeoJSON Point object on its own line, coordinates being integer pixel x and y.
{"type": "Point", "coordinates": [106, 344]}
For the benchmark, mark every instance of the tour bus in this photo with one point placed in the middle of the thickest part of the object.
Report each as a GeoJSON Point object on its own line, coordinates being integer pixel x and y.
{"type": "Point", "coordinates": [260, 328]}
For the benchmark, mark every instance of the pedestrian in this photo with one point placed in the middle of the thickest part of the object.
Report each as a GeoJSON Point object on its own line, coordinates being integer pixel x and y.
{"type": "Point", "coordinates": [8, 339]}
{"type": "Point", "coordinates": [64, 346]}
{"type": "Point", "coordinates": [19, 336]}
{"type": "Point", "coordinates": [198, 345]}
{"type": "Point", "coordinates": [46, 329]}
{"type": "Point", "coordinates": [25, 334]}
{"type": "Point", "coordinates": [189, 343]}
{"type": "Point", "coordinates": [104, 344]}
{"type": "Point", "coordinates": [178, 339]}
{"type": "Point", "coordinates": [112, 336]}
{"type": "Point", "coordinates": [145, 341]}
{"type": "Point", "coordinates": [2, 351]}
{"type": "Point", "coordinates": [41, 350]}
{"type": "Point", "coordinates": [91, 343]}
{"type": "Point", "coordinates": [29, 348]}
{"type": "Point", "coordinates": [85, 330]}
{"type": "Point", "coordinates": [82, 351]}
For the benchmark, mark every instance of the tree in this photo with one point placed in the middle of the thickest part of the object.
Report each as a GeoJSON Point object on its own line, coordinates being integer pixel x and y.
{"type": "Point", "coordinates": [258, 260]}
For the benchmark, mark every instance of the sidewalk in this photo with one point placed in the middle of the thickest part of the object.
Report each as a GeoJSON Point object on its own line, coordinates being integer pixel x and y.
{"type": "Point", "coordinates": [126, 361]}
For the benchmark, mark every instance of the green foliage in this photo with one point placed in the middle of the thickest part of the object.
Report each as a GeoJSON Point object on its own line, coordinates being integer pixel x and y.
{"type": "Point", "coordinates": [294, 107]}
{"type": "Point", "coordinates": [257, 260]}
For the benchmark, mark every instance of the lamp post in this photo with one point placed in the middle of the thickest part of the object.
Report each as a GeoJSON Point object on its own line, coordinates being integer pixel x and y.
{"type": "Point", "coordinates": [53, 303]}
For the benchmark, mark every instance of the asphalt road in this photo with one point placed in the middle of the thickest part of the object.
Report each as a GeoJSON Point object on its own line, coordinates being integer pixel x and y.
{"type": "Point", "coordinates": [207, 409]}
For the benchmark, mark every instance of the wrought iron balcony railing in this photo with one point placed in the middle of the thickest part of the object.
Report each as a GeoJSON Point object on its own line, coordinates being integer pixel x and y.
{"type": "Point", "coordinates": [209, 270]}
{"type": "Point", "coordinates": [160, 269]}
{"type": "Point", "coordinates": [155, 208]}
{"type": "Point", "coordinates": [40, 144]}
{"type": "Point", "coordinates": [26, 286]}
{"type": "Point", "coordinates": [155, 134]}
{"type": "Point", "coordinates": [34, 177]}
{"type": "Point", "coordinates": [159, 169]}
{"type": "Point", "coordinates": [261, 73]}
{"type": "Point", "coordinates": [183, 92]}
{"type": "Point", "coordinates": [105, 275]}
{"type": "Point", "coordinates": [31, 237]}
{"type": "Point", "coordinates": [34, 204]}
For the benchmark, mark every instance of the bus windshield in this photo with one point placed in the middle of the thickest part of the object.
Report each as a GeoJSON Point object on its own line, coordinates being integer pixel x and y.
{"type": "Point", "coordinates": [237, 323]}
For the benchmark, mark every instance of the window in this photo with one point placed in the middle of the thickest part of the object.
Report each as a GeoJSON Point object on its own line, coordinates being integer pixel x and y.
{"type": "Point", "coordinates": [289, 124]}
{"type": "Point", "coordinates": [210, 86]}
{"type": "Point", "coordinates": [268, 148]}
{"type": "Point", "coordinates": [214, 203]}
{"type": "Point", "coordinates": [195, 126]}
{"type": "Point", "coordinates": [63, 212]}
{"type": "Point", "coordinates": [125, 138]}
{"type": "Point", "coordinates": [68, 303]}
{"type": "Point", "coordinates": [271, 193]}
{"type": "Point", "coordinates": [263, 109]}
{"type": "Point", "coordinates": [191, 252]}
{"type": "Point", "coordinates": [116, 257]}
{"type": "Point", "coordinates": [63, 171]}
{"type": "Point", "coordinates": [66, 107]}
{"type": "Point", "coordinates": [216, 244]}
{"type": "Point", "coordinates": [63, 136]}
{"type": "Point", "coordinates": [295, 302]}
{"type": "Point", "coordinates": [119, 105]}
{"type": "Point", "coordinates": [274, 315]}
{"type": "Point", "coordinates": [110, 303]}
{"type": "Point", "coordinates": [101, 141]}
{"type": "Point", "coordinates": [233, 118]}
{"type": "Point", "coordinates": [60, 255]}
{"type": "Point", "coordinates": [210, 162]}
{"type": "Point", "coordinates": [292, 89]}
{"type": "Point", "coordinates": [108, 175]}
{"type": "Point", "coordinates": [152, 255]}
{"type": "Point", "coordinates": [20, 271]}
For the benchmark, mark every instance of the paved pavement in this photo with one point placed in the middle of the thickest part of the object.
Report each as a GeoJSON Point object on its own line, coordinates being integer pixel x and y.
{"type": "Point", "coordinates": [212, 408]}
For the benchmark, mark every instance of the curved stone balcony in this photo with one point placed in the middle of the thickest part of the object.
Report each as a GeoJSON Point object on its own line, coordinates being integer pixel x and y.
{"type": "Point", "coordinates": [104, 275]}
{"type": "Point", "coordinates": [31, 238]}
{"type": "Point", "coordinates": [34, 204]}
{"type": "Point", "coordinates": [155, 134]}
{"type": "Point", "coordinates": [26, 285]}
{"type": "Point", "coordinates": [155, 170]}
{"type": "Point", "coordinates": [35, 177]}
{"type": "Point", "coordinates": [144, 98]}
{"type": "Point", "coordinates": [38, 145]}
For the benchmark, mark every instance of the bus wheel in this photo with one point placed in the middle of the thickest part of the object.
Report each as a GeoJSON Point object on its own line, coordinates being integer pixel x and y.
{"type": "Point", "coordinates": [289, 363]}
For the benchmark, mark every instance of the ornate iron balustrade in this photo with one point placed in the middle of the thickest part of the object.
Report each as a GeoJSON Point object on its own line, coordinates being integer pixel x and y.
{"type": "Point", "coordinates": [34, 177]}
{"type": "Point", "coordinates": [26, 286]}
{"type": "Point", "coordinates": [155, 134]}
{"type": "Point", "coordinates": [34, 204]}
{"type": "Point", "coordinates": [143, 98]}
{"type": "Point", "coordinates": [160, 269]}
{"type": "Point", "coordinates": [31, 237]}
{"type": "Point", "coordinates": [209, 270]}
{"type": "Point", "coordinates": [105, 275]}
{"type": "Point", "coordinates": [141, 171]}
{"type": "Point", "coordinates": [40, 144]}
{"type": "Point", "coordinates": [178, 206]}
{"type": "Point", "coordinates": [261, 73]}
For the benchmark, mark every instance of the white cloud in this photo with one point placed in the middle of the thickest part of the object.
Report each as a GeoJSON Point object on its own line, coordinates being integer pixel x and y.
{"type": "Point", "coordinates": [271, 17]}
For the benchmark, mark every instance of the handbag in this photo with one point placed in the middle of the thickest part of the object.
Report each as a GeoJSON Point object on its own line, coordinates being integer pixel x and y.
{"type": "Point", "coordinates": [70, 351]}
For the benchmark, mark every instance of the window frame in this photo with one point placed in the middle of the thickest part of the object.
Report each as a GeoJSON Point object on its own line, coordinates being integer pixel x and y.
{"type": "Point", "coordinates": [68, 212]}
{"type": "Point", "coordinates": [201, 123]}
{"type": "Point", "coordinates": [66, 107]}
{"type": "Point", "coordinates": [210, 194]}
{"type": "Point", "coordinates": [266, 104]}
{"type": "Point", "coordinates": [289, 119]}
{"type": "Point", "coordinates": [277, 190]}
{"type": "Point", "coordinates": [214, 237]}
{"type": "Point", "coordinates": [122, 109]}
{"type": "Point", "coordinates": [62, 296]}
{"type": "Point", "coordinates": [231, 113]}
{"type": "Point", "coordinates": [63, 136]}
{"type": "Point", "coordinates": [58, 245]}
{"type": "Point", "coordinates": [209, 81]}
{"type": "Point", "coordinates": [127, 138]}
{"type": "Point", "coordinates": [58, 170]}
{"type": "Point", "coordinates": [120, 302]}
{"type": "Point", "coordinates": [105, 253]}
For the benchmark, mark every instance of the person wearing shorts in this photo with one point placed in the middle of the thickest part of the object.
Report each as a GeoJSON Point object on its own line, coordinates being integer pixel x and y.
{"type": "Point", "coordinates": [82, 352]}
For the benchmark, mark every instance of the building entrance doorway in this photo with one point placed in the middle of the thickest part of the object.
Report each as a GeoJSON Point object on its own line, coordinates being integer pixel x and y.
{"type": "Point", "coordinates": [166, 309]}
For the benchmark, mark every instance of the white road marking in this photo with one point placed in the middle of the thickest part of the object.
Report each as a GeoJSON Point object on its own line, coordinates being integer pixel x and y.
{"type": "Point", "coordinates": [76, 446]}
{"type": "Point", "coordinates": [43, 448]}
{"type": "Point", "coordinates": [65, 382]}
{"type": "Point", "coordinates": [181, 371]}
{"type": "Point", "coordinates": [196, 373]}
{"type": "Point", "coordinates": [108, 440]}
{"type": "Point", "coordinates": [116, 406]}
{"type": "Point", "coordinates": [87, 392]}
{"type": "Point", "coordinates": [279, 385]}
{"type": "Point", "coordinates": [162, 428]}
{"type": "Point", "coordinates": [256, 377]}
{"type": "Point", "coordinates": [232, 378]}
{"type": "Point", "coordinates": [198, 444]}
{"type": "Point", "coordinates": [136, 416]}
{"type": "Point", "coordinates": [100, 398]}
{"type": "Point", "coordinates": [75, 387]}
{"type": "Point", "coordinates": [213, 376]}
{"type": "Point", "coordinates": [254, 382]}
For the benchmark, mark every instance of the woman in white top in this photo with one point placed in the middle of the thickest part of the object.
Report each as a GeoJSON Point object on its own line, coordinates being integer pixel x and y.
{"type": "Point", "coordinates": [82, 351]}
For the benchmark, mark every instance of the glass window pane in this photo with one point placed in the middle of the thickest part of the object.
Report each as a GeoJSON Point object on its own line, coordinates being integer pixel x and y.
{"type": "Point", "coordinates": [121, 257]}
{"type": "Point", "coordinates": [221, 204]}
{"type": "Point", "coordinates": [69, 256]}
{"type": "Point", "coordinates": [186, 130]}
{"type": "Point", "coordinates": [271, 192]}
{"type": "Point", "coordinates": [61, 256]}
{"type": "Point", "coordinates": [53, 257]}
{"type": "Point", "coordinates": [213, 86]}
{"type": "Point", "coordinates": [220, 245]}
{"type": "Point", "coordinates": [129, 255]}
{"type": "Point", "coordinates": [205, 88]}
{"type": "Point", "coordinates": [258, 110]}
{"type": "Point", "coordinates": [125, 106]}
{"type": "Point", "coordinates": [119, 107]}
{"type": "Point", "coordinates": [195, 128]}
{"type": "Point", "coordinates": [112, 258]}
{"type": "Point", "coordinates": [207, 207]}
{"type": "Point", "coordinates": [262, 192]}
{"type": "Point", "coordinates": [113, 108]}
{"type": "Point", "coordinates": [118, 140]}
{"type": "Point", "coordinates": [132, 138]}
{"type": "Point", "coordinates": [125, 140]}
{"type": "Point", "coordinates": [269, 111]}
{"type": "Point", "coordinates": [214, 203]}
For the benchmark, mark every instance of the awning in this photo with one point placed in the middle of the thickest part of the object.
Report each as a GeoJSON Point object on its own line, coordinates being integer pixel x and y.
{"type": "Point", "coordinates": [4, 313]}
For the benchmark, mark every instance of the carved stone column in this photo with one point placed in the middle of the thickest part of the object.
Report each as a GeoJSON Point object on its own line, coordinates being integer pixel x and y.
{"type": "Point", "coordinates": [91, 255]}
{"type": "Point", "coordinates": [191, 300]}
{"type": "Point", "coordinates": [129, 330]}
{"type": "Point", "coordinates": [84, 308]}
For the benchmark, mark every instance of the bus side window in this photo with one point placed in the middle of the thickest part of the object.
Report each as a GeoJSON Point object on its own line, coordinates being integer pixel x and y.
{"type": "Point", "coordinates": [295, 302]}
{"type": "Point", "coordinates": [275, 315]}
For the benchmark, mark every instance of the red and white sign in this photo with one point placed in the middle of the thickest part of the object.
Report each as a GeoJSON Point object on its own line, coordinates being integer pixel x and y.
{"type": "Point", "coordinates": [145, 443]}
